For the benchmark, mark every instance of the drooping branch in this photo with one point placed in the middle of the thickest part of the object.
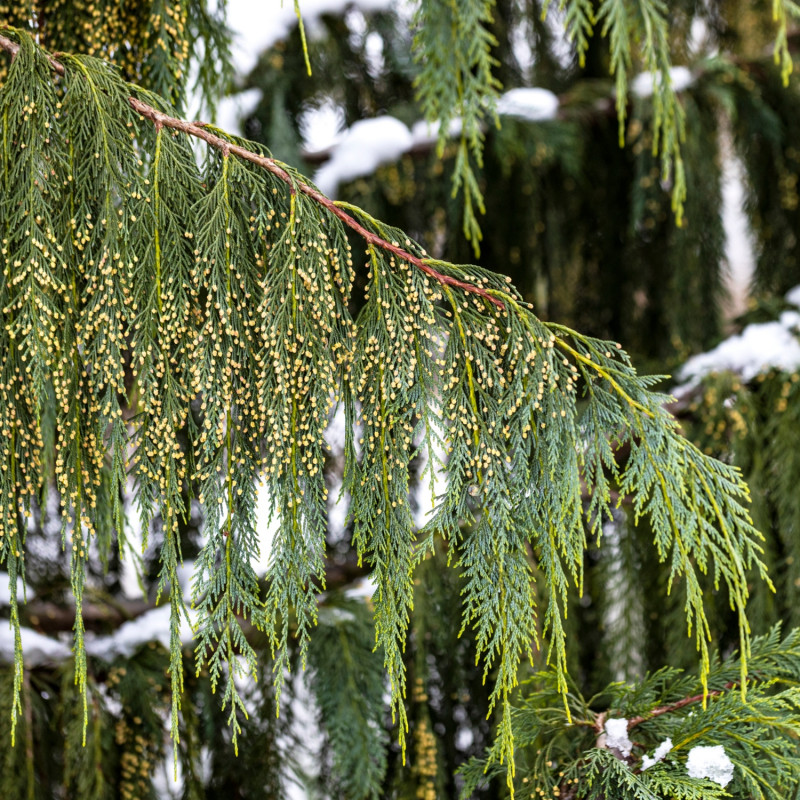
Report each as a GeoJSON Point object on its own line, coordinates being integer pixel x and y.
{"type": "Point", "coordinates": [509, 415]}
{"type": "Point", "coordinates": [198, 130]}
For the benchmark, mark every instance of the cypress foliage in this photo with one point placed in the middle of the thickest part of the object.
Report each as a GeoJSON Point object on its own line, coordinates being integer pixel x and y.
{"type": "Point", "coordinates": [150, 42]}
{"type": "Point", "coordinates": [222, 305]}
{"type": "Point", "coordinates": [664, 706]}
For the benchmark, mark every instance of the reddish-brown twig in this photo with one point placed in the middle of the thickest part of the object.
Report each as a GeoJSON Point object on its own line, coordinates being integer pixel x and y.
{"type": "Point", "coordinates": [678, 704]}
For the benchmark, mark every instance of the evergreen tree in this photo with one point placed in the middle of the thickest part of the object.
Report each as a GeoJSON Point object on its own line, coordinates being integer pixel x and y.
{"type": "Point", "coordinates": [184, 315]}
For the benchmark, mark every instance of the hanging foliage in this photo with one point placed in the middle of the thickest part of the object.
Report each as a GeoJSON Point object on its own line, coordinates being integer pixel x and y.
{"type": "Point", "coordinates": [227, 288]}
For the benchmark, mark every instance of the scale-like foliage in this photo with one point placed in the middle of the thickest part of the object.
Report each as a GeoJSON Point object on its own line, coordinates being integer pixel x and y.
{"type": "Point", "coordinates": [645, 21]}
{"type": "Point", "coordinates": [228, 287]}
{"type": "Point", "coordinates": [348, 682]}
{"type": "Point", "coordinates": [759, 736]}
{"type": "Point", "coordinates": [456, 83]}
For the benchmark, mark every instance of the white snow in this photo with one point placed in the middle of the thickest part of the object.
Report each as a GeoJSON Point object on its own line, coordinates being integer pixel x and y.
{"type": "Point", "coordinates": [168, 783]}
{"type": "Point", "coordinates": [152, 626]}
{"type": "Point", "coordinates": [131, 554]}
{"type": "Point", "coordinates": [362, 149]}
{"type": "Point", "coordinates": [793, 296]}
{"type": "Point", "coordinates": [373, 50]}
{"type": "Point", "coordinates": [363, 588]}
{"type": "Point", "coordinates": [529, 103]}
{"type": "Point", "coordinates": [231, 110]}
{"type": "Point", "coordinates": [739, 238]}
{"type": "Point", "coordinates": [338, 506]}
{"type": "Point", "coordinates": [644, 83]}
{"type": "Point", "coordinates": [711, 763]}
{"type": "Point", "coordinates": [464, 739]}
{"type": "Point", "coordinates": [336, 432]}
{"type": "Point", "coordinates": [267, 526]}
{"type": "Point", "coordinates": [321, 126]}
{"type": "Point", "coordinates": [522, 39]}
{"type": "Point", "coordinates": [185, 573]}
{"type": "Point", "coordinates": [617, 736]}
{"type": "Point", "coordinates": [758, 348]}
{"type": "Point", "coordinates": [427, 133]}
{"type": "Point", "coordinates": [431, 476]}
{"type": "Point", "coordinates": [37, 649]}
{"type": "Point", "coordinates": [659, 754]}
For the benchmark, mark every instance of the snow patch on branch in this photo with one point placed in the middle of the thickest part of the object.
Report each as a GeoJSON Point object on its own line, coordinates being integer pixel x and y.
{"type": "Point", "coordinates": [363, 589]}
{"type": "Point", "coordinates": [152, 626]}
{"type": "Point", "coordinates": [530, 103]}
{"type": "Point", "coordinates": [793, 296]}
{"type": "Point", "coordinates": [645, 83]}
{"type": "Point", "coordinates": [711, 763]}
{"type": "Point", "coordinates": [362, 149]}
{"type": "Point", "coordinates": [37, 649]}
{"type": "Point", "coordinates": [617, 736]}
{"type": "Point", "coordinates": [659, 754]}
{"type": "Point", "coordinates": [758, 348]}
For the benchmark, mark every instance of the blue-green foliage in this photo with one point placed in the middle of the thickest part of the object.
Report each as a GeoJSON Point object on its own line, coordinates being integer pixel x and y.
{"type": "Point", "coordinates": [228, 287]}
{"type": "Point", "coordinates": [456, 83]}
{"type": "Point", "coordinates": [348, 683]}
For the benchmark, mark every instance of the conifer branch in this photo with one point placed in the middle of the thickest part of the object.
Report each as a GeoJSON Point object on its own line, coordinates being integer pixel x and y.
{"type": "Point", "coordinates": [678, 704]}
{"type": "Point", "coordinates": [600, 719]}
{"type": "Point", "coordinates": [13, 48]}
{"type": "Point", "coordinates": [197, 129]}
{"type": "Point", "coordinates": [230, 284]}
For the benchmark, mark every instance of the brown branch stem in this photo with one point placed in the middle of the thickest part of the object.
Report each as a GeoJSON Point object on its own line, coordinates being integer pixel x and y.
{"type": "Point", "coordinates": [225, 147]}
{"type": "Point", "coordinates": [599, 720]}
{"type": "Point", "coordinates": [12, 47]}
{"type": "Point", "coordinates": [269, 164]}
{"type": "Point", "coordinates": [657, 712]}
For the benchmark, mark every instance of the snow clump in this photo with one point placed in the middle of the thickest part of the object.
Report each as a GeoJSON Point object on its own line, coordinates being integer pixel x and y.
{"type": "Point", "coordinates": [361, 150]}
{"type": "Point", "coordinates": [758, 348]}
{"type": "Point", "coordinates": [644, 83]}
{"type": "Point", "coordinates": [659, 754]}
{"type": "Point", "coordinates": [711, 763]}
{"type": "Point", "coordinates": [617, 736]}
{"type": "Point", "coordinates": [530, 103]}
